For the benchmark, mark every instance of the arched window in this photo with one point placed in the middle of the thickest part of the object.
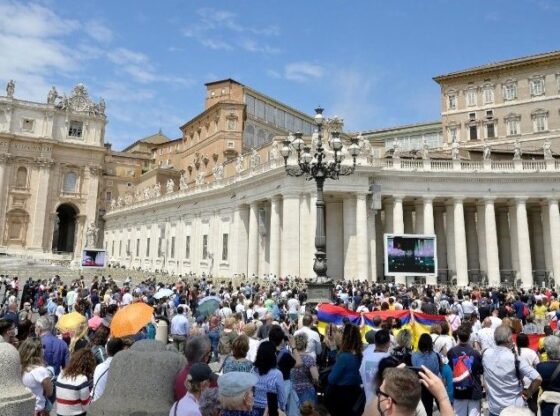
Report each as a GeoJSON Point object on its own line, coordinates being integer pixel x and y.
{"type": "Point", "coordinates": [21, 177]}
{"type": "Point", "coordinates": [70, 180]}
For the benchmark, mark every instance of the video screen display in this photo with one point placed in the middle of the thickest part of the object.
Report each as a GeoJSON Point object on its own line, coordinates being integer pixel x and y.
{"type": "Point", "coordinates": [410, 255]}
{"type": "Point", "coordinates": [93, 258]}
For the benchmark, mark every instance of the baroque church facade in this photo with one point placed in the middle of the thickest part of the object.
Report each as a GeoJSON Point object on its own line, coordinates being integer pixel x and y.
{"type": "Point", "coordinates": [484, 179]}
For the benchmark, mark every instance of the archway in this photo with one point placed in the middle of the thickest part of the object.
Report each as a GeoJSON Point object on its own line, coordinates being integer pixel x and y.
{"type": "Point", "coordinates": [64, 228]}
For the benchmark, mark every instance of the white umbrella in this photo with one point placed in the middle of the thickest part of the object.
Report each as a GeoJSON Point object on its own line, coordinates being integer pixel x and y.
{"type": "Point", "coordinates": [163, 293]}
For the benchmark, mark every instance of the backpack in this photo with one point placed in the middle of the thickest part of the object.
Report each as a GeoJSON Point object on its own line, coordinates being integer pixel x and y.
{"type": "Point", "coordinates": [225, 343]}
{"type": "Point", "coordinates": [462, 377]}
{"type": "Point", "coordinates": [526, 311]}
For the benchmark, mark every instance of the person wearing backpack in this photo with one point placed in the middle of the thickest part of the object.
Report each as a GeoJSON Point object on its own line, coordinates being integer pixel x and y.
{"type": "Point", "coordinates": [466, 366]}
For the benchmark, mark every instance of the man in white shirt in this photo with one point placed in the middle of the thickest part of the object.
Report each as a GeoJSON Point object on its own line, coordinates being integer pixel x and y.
{"type": "Point", "coordinates": [293, 308]}
{"type": "Point", "coordinates": [101, 373]}
{"type": "Point", "coordinates": [485, 337]}
{"type": "Point", "coordinates": [313, 339]}
{"type": "Point", "coordinates": [127, 297]}
{"type": "Point", "coordinates": [371, 359]}
{"type": "Point", "coordinates": [180, 330]}
{"type": "Point", "coordinates": [71, 299]}
{"type": "Point", "coordinates": [496, 322]}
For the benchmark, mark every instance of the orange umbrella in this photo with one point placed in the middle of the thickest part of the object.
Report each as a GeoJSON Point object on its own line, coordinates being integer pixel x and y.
{"type": "Point", "coordinates": [131, 319]}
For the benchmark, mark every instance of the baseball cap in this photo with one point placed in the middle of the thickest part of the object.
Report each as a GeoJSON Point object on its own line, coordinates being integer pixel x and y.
{"type": "Point", "coordinates": [201, 372]}
{"type": "Point", "coordinates": [235, 383]}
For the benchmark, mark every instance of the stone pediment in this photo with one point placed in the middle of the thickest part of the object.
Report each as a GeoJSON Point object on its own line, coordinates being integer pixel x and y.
{"type": "Point", "coordinates": [80, 102]}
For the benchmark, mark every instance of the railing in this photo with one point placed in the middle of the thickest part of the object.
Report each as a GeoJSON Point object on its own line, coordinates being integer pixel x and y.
{"type": "Point", "coordinates": [403, 165]}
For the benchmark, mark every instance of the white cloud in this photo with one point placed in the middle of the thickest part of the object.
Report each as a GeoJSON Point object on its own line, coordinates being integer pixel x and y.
{"type": "Point", "coordinates": [98, 31]}
{"type": "Point", "coordinates": [33, 20]}
{"type": "Point", "coordinates": [215, 26]}
{"type": "Point", "coordinates": [121, 56]}
{"type": "Point", "coordinates": [302, 71]}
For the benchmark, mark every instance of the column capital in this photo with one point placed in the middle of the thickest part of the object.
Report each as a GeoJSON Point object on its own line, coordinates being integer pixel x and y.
{"type": "Point", "coordinates": [551, 201]}
{"type": "Point", "coordinates": [398, 198]}
{"type": "Point", "coordinates": [276, 198]}
{"type": "Point", "coordinates": [426, 199]}
{"type": "Point", "coordinates": [361, 196]}
{"type": "Point", "coordinates": [519, 200]}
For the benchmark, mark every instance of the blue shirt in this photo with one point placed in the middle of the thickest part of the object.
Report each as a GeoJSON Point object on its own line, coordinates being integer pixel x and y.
{"type": "Point", "coordinates": [180, 325]}
{"type": "Point", "coordinates": [346, 370]}
{"type": "Point", "coordinates": [271, 382]}
{"type": "Point", "coordinates": [429, 359]}
{"type": "Point", "coordinates": [55, 352]}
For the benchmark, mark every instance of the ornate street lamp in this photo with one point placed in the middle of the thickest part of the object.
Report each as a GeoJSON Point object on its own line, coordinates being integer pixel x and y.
{"type": "Point", "coordinates": [319, 166]}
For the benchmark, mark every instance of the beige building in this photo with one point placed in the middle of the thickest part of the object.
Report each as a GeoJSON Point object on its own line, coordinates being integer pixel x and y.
{"type": "Point", "coordinates": [503, 102]}
{"type": "Point", "coordinates": [51, 160]}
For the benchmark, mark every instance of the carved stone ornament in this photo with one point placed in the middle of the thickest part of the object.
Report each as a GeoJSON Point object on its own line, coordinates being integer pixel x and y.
{"type": "Point", "coordinates": [200, 178]}
{"type": "Point", "coordinates": [396, 151]}
{"type": "Point", "coordinates": [274, 151]}
{"type": "Point", "coordinates": [52, 95]}
{"type": "Point", "coordinates": [455, 151]}
{"type": "Point", "coordinates": [517, 150]}
{"type": "Point", "coordinates": [255, 158]}
{"type": "Point", "coordinates": [10, 88]}
{"type": "Point", "coordinates": [487, 152]}
{"type": "Point", "coordinates": [183, 182]}
{"type": "Point", "coordinates": [218, 171]}
{"type": "Point", "coordinates": [91, 235]}
{"type": "Point", "coordinates": [169, 186]}
{"type": "Point", "coordinates": [239, 164]}
{"type": "Point", "coordinates": [80, 102]}
{"type": "Point", "coordinates": [547, 153]}
{"type": "Point", "coordinates": [157, 190]}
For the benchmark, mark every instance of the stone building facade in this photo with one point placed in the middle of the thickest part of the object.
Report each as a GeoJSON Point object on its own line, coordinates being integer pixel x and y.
{"type": "Point", "coordinates": [51, 160]}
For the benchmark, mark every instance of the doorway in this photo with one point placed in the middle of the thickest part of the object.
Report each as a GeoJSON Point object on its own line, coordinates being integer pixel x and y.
{"type": "Point", "coordinates": [64, 228]}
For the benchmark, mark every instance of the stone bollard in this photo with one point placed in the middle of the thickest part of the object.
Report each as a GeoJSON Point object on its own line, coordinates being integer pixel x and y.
{"type": "Point", "coordinates": [15, 398]}
{"type": "Point", "coordinates": [140, 382]}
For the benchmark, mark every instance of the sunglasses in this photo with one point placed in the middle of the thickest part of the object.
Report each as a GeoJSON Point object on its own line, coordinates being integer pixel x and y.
{"type": "Point", "coordinates": [378, 393]}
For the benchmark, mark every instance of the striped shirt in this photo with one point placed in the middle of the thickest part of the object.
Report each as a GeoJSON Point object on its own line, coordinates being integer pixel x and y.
{"type": "Point", "coordinates": [72, 395]}
{"type": "Point", "coordinates": [271, 382]}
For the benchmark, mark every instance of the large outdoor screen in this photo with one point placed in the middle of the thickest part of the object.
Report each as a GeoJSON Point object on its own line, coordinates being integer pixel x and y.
{"type": "Point", "coordinates": [93, 258]}
{"type": "Point", "coordinates": [410, 255]}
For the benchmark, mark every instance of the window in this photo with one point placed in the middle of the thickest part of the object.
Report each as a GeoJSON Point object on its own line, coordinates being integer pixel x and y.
{"type": "Point", "coordinates": [512, 125]}
{"type": "Point", "coordinates": [109, 196]}
{"type": "Point", "coordinates": [225, 238]}
{"type": "Point", "coordinates": [540, 121]}
{"type": "Point", "coordinates": [205, 246]}
{"type": "Point", "coordinates": [230, 145]}
{"type": "Point", "coordinates": [70, 180]}
{"type": "Point", "coordinates": [27, 125]}
{"type": "Point", "coordinates": [75, 129]}
{"type": "Point", "coordinates": [137, 247]}
{"type": "Point", "coordinates": [259, 107]}
{"type": "Point", "coordinates": [490, 131]}
{"type": "Point", "coordinates": [510, 91]}
{"type": "Point", "coordinates": [488, 94]}
{"type": "Point", "coordinates": [537, 86]}
{"type": "Point", "coordinates": [473, 135]}
{"type": "Point", "coordinates": [188, 247]}
{"type": "Point", "coordinates": [471, 97]}
{"type": "Point", "coordinates": [452, 102]}
{"type": "Point", "coordinates": [231, 124]}
{"type": "Point", "coordinates": [148, 247]}
{"type": "Point", "coordinates": [250, 102]}
{"type": "Point", "coordinates": [21, 177]}
{"type": "Point", "coordinates": [172, 247]}
{"type": "Point", "coordinates": [472, 116]}
{"type": "Point", "coordinates": [452, 134]}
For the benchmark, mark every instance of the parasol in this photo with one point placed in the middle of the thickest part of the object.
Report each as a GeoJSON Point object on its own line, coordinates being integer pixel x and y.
{"type": "Point", "coordinates": [208, 305]}
{"type": "Point", "coordinates": [131, 319]}
{"type": "Point", "coordinates": [163, 293]}
{"type": "Point", "coordinates": [70, 321]}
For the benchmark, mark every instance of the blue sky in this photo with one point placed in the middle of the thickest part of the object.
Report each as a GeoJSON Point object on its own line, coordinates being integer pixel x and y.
{"type": "Point", "coordinates": [369, 62]}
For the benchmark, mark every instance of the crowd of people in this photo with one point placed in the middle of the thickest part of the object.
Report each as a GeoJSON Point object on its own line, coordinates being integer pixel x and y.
{"type": "Point", "coordinates": [270, 354]}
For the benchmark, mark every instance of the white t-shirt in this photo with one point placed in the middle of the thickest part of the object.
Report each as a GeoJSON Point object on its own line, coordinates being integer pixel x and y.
{"type": "Point", "coordinates": [34, 381]}
{"type": "Point", "coordinates": [496, 322]}
{"type": "Point", "coordinates": [126, 299]}
{"type": "Point", "coordinates": [368, 370]}
{"type": "Point", "coordinates": [532, 359]}
{"type": "Point", "coordinates": [187, 406]}
{"type": "Point", "coordinates": [293, 305]}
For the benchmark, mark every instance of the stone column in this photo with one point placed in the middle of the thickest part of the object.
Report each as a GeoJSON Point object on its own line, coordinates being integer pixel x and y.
{"type": "Point", "coordinates": [439, 229]}
{"type": "Point", "coordinates": [275, 235]}
{"type": "Point", "coordinates": [41, 204]}
{"type": "Point", "coordinates": [290, 235]}
{"type": "Point", "coordinates": [372, 244]}
{"type": "Point", "coordinates": [549, 263]}
{"type": "Point", "coordinates": [428, 216]}
{"type": "Point", "coordinates": [349, 220]}
{"type": "Point", "coordinates": [460, 243]}
{"type": "Point", "coordinates": [504, 238]}
{"type": "Point", "coordinates": [240, 239]}
{"type": "Point", "coordinates": [523, 243]}
{"type": "Point", "coordinates": [554, 219]}
{"type": "Point", "coordinates": [388, 207]}
{"type": "Point", "coordinates": [253, 251]}
{"type": "Point", "coordinates": [481, 235]}
{"type": "Point", "coordinates": [450, 237]}
{"type": "Point", "coordinates": [418, 216]}
{"type": "Point", "coordinates": [472, 243]}
{"type": "Point", "coordinates": [398, 220]}
{"type": "Point", "coordinates": [4, 158]}
{"type": "Point", "coordinates": [379, 249]}
{"type": "Point", "coordinates": [79, 233]}
{"type": "Point", "coordinates": [537, 239]}
{"type": "Point", "coordinates": [491, 243]}
{"type": "Point", "coordinates": [361, 237]}
{"type": "Point", "coordinates": [408, 220]}
{"type": "Point", "coordinates": [512, 214]}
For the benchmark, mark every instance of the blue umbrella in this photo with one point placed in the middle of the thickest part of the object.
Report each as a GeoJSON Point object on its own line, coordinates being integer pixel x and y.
{"type": "Point", "coordinates": [208, 305]}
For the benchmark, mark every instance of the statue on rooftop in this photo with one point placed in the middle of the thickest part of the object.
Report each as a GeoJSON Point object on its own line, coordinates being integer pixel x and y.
{"type": "Point", "coordinates": [517, 150]}
{"type": "Point", "coordinates": [169, 186]}
{"type": "Point", "coordinates": [52, 95]}
{"type": "Point", "coordinates": [547, 153]}
{"type": "Point", "coordinates": [455, 151]}
{"type": "Point", "coordinates": [10, 88]}
{"type": "Point", "coordinates": [183, 184]}
{"type": "Point", "coordinates": [396, 150]}
{"type": "Point", "coordinates": [487, 152]}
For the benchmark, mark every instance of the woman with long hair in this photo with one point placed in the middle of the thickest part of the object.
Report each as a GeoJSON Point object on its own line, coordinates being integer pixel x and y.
{"type": "Point", "coordinates": [99, 340]}
{"type": "Point", "coordinates": [270, 379]}
{"type": "Point", "coordinates": [344, 379]}
{"type": "Point", "coordinates": [35, 375]}
{"type": "Point", "coordinates": [79, 338]}
{"type": "Point", "coordinates": [306, 375]}
{"type": "Point", "coordinates": [428, 357]}
{"type": "Point", "coordinates": [73, 384]}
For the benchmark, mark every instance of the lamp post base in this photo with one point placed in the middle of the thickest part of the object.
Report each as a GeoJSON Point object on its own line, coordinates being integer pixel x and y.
{"type": "Point", "coordinates": [318, 293]}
